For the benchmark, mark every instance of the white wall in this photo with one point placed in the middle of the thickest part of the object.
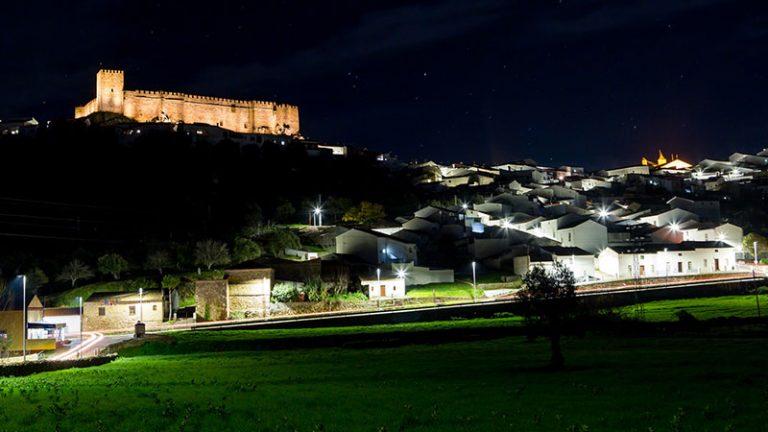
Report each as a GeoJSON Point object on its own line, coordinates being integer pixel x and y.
{"type": "Point", "coordinates": [392, 287]}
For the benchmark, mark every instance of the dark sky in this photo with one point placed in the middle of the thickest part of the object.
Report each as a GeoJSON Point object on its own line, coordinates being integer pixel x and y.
{"type": "Point", "coordinates": [593, 83]}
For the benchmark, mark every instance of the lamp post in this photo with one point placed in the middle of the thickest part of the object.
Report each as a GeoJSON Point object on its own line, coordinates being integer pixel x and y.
{"type": "Point", "coordinates": [319, 215]}
{"type": "Point", "coordinates": [24, 301]}
{"type": "Point", "coordinates": [754, 245]}
{"type": "Point", "coordinates": [474, 283]}
{"type": "Point", "coordinates": [80, 300]}
{"type": "Point", "coordinates": [141, 304]}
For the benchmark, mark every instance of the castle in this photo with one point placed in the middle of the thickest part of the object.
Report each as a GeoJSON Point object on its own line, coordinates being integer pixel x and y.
{"type": "Point", "coordinates": [160, 106]}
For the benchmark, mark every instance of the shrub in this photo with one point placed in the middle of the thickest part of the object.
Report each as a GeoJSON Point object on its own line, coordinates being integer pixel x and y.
{"type": "Point", "coordinates": [684, 316]}
{"type": "Point", "coordinates": [349, 298]}
{"type": "Point", "coordinates": [762, 290]}
{"type": "Point", "coordinates": [284, 292]}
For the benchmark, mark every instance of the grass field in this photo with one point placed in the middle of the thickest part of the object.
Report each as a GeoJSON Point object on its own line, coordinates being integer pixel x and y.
{"type": "Point", "coordinates": [455, 289]}
{"type": "Point", "coordinates": [610, 384]}
{"type": "Point", "coordinates": [741, 306]}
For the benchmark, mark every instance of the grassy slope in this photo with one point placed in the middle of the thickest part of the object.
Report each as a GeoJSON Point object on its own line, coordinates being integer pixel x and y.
{"type": "Point", "coordinates": [629, 384]}
{"type": "Point", "coordinates": [69, 297]}
{"type": "Point", "coordinates": [742, 306]}
{"type": "Point", "coordinates": [456, 289]}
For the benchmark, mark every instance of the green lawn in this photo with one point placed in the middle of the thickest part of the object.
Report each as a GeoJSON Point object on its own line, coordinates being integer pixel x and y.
{"type": "Point", "coordinates": [455, 289]}
{"type": "Point", "coordinates": [741, 306]}
{"type": "Point", "coordinates": [610, 384]}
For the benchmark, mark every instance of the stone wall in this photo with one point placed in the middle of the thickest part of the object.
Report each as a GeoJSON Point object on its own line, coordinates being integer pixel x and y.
{"type": "Point", "coordinates": [244, 116]}
{"type": "Point", "coordinates": [211, 299]}
{"type": "Point", "coordinates": [117, 315]}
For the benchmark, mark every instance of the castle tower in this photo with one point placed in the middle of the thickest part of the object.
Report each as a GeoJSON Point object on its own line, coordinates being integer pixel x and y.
{"type": "Point", "coordinates": [109, 90]}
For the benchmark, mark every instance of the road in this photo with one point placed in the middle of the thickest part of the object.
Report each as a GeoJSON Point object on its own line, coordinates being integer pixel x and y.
{"type": "Point", "coordinates": [93, 343]}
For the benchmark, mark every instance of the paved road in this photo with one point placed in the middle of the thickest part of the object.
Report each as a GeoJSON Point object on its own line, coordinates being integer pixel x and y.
{"type": "Point", "coordinates": [93, 342]}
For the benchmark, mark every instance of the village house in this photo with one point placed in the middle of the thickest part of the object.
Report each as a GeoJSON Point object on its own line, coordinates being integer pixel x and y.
{"type": "Point", "coordinates": [40, 336]}
{"type": "Point", "coordinates": [663, 260]}
{"type": "Point", "coordinates": [122, 310]}
{"type": "Point", "coordinates": [243, 293]}
{"type": "Point", "coordinates": [374, 247]}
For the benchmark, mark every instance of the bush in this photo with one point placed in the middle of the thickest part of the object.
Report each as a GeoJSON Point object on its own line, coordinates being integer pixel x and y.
{"type": "Point", "coordinates": [284, 292]}
{"type": "Point", "coordinates": [684, 316]}
{"type": "Point", "coordinates": [762, 290]}
{"type": "Point", "coordinates": [349, 298]}
{"type": "Point", "coordinates": [764, 261]}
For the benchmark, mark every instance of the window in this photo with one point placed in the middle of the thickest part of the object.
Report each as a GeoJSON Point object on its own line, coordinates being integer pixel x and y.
{"type": "Point", "coordinates": [569, 236]}
{"type": "Point", "coordinates": [131, 310]}
{"type": "Point", "coordinates": [154, 308]}
{"type": "Point", "coordinates": [705, 263]}
{"type": "Point", "coordinates": [102, 311]}
{"type": "Point", "coordinates": [690, 266]}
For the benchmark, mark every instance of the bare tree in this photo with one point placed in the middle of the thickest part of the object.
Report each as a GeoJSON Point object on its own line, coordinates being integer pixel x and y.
{"type": "Point", "coordinates": [74, 271]}
{"type": "Point", "coordinates": [210, 253]}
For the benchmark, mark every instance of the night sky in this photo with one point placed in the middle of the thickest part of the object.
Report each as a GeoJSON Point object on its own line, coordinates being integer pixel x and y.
{"type": "Point", "coordinates": [593, 83]}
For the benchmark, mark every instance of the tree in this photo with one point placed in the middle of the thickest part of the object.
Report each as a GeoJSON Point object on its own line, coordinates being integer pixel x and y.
{"type": "Point", "coordinates": [210, 253]}
{"type": "Point", "coordinates": [74, 271]}
{"type": "Point", "coordinates": [245, 249]}
{"type": "Point", "coordinates": [284, 212]}
{"type": "Point", "coordinates": [548, 298]}
{"type": "Point", "coordinates": [364, 214]}
{"type": "Point", "coordinates": [36, 278]}
{"type": "Point", "coordinates": [748, 243]}
{"type": "Point", "coordinates": [171, 283]}
{"type": "Point", "coordinates": [113, 264]}
{"type": "Point", "coordinates": [158, 260]}
{"type": "Point", "coordinates": [276, 241]}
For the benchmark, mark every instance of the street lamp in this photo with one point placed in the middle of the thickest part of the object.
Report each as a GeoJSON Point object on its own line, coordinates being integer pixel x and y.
{"type": "Point", "coordinates": [603, 213]}
{"type": "Point", "coordinates": [24, 318]}
{"type": "Point", "coordinates": [378, 275]}
{"type": "Point", "coordinates": [141, 304]}
{"type": "Point", "coordinates": [474, 282]}
{"type": "Point", "coordinates": [318, 212]}
{"type": "Point", "coordinates": [755, 246]}
{"type": "Point", "coordinates": [80, 301]}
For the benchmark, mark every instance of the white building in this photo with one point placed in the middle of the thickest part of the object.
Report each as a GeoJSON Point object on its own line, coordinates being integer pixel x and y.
{"type": "Point", "coordinates": [669, 217]}
{"type": "Point", "coordinates": [726, 233]}
{"type": "Point", "coordinates": [374, 247]}
{"type": "Point", "coordinates": [390, 287]}
{"type": "Point", "coordinates": [576, 231]}
{"type": "Point", "coordinates": [579, 261]}
{"type": "Point", "coordinates": [663, 260]}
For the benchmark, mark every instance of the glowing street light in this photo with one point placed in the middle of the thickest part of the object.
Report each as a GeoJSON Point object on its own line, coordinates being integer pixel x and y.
{"type": "Point", "coordinates": [141, 304]}
{"type": "Point", "coordinates": [401, 273]}
{"type": "Point", "coordinates": [24, 318]}
{"type": "Point", "coordinates": [474, 282]}
{"type": "Point", "coordinates": [674, 227]}
{"type": "Point", "coordinates": [464, 206]}
{"type": "Point", "coordinates": [80, 301]}
{"type": "Point", "coordinates": [318, 212]}
{"type": "Point", "coordinates": [603, 213]}
{"type": "Point", "coordinates": [755, 246]}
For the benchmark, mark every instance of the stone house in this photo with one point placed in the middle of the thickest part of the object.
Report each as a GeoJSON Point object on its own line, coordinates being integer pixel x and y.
{"type": "Point", "coordinates": [121, 310]}
{"type": "Point", "coordinates": [243, 293]}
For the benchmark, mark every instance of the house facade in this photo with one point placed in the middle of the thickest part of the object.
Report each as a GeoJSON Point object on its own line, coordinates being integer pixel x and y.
{"type": "Point", "coordinates": [664, 260]}
{"type": "Point", "coordinates": [122, 310]}
{"type": "Point", "coordinates": [374, 247]}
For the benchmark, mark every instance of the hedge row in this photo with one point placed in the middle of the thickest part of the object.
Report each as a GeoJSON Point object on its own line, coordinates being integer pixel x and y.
{"type": "Point", "coordinates": [29, 368]}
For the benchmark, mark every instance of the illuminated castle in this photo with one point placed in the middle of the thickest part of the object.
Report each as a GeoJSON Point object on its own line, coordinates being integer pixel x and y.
{"type": "Point", "coordinates": [661, 163]}
{"type": "Point", "coordinates": [159, 106]}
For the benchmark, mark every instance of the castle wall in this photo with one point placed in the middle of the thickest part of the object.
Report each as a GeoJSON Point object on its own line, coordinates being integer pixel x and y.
{"type": "Point", "coordinates": [147, 106]}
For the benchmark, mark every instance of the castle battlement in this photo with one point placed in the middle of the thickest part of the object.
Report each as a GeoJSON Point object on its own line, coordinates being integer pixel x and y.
{"type": "Point", "coordinates": [239, 115]}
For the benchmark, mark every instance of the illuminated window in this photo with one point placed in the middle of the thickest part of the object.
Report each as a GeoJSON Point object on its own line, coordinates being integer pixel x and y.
{"type": "Point", "coordinates": [131, 310]}
{"type": "Point", "coordinates": [102, 311]}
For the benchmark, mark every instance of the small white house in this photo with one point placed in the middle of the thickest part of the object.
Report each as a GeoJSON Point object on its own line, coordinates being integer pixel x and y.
{"type": "Point", "coordinates": [663, 260]}
{"type": "Point", "coordinates": [727, 233]}
{"type": "Point", "coordinates": [390, 287]}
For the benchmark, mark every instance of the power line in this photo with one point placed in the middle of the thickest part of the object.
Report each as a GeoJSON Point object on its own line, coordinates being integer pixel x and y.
{"type": "Point", "coordinates": [36, 236]}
